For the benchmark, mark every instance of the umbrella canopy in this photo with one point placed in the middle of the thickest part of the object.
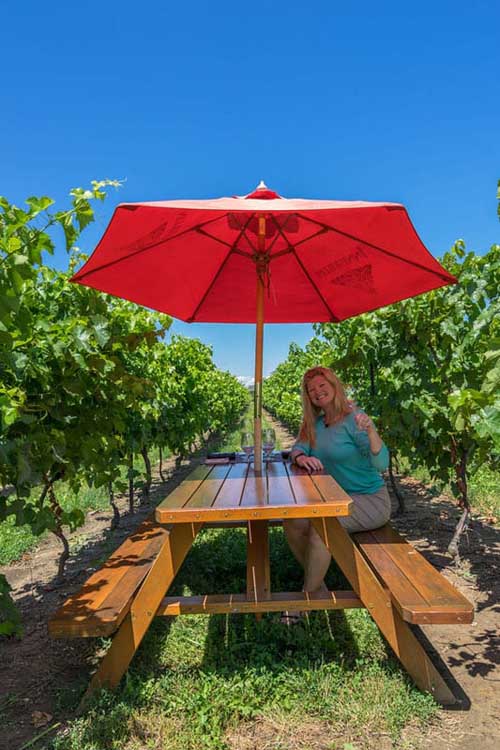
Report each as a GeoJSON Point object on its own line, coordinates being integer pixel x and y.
{"type": "Point", "coordinates": [320, 260]}
{"type": "Point", "coordinates": [262, 258]}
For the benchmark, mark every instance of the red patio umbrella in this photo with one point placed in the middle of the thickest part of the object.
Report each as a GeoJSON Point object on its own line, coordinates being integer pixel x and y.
{"type": "Point", "coordinates": [261, 259]}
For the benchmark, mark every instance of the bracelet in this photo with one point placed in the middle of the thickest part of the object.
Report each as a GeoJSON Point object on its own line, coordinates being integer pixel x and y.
{"type": "Point", "coordinates": [297, 456]}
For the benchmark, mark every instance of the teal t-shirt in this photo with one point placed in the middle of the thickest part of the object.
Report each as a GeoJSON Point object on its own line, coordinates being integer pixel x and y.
{"type": "Point", "coordinates": [345, 453]}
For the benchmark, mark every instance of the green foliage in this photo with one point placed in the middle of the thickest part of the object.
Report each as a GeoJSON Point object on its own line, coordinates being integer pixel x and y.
{"type": "Point", "coordinates": [434, 366]}
{"type": "Point", "coordinates": [87, 380]}
{"type": "Point", "coordinates": [281, 391]}
{"type": "Point", "coordinates": [10, 619]}
{"type": "Point", "coordinates": [427, 369]}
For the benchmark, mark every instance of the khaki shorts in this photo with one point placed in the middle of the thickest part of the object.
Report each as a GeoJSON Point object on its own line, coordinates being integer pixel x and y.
{"type": "Point", "coordinates": [368, 511]}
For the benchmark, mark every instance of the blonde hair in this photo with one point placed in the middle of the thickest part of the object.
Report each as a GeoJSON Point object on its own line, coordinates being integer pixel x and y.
{"type": "Point", "coordinates": [310, 412]}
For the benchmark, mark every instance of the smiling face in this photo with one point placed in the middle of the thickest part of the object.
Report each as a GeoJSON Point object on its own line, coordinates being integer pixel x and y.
{"type": "Point", "coordinates": [320, 391]}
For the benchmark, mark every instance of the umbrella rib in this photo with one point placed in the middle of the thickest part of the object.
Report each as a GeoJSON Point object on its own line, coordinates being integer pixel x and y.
{"type": "Point", "coordinates": [219, 270]}
{"type": "Point", "coordinates": [292, 250]}
{"type": "Point", "coordinates": [335, 318]}
{"type": "Point", "coordinates": [237, 251]}
{"type": "Point", "coordinates": [200, 230]}
{"type": "Point", "coordinates": [143, 249]}
{"type": "Point", "coordinates": [326, 227]}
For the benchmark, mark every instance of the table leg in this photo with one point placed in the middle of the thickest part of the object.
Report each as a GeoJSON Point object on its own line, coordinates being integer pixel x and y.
{"type": "Point", "coordinates": [378, 602]}
{"type": "Point", "coordinates": [258, 571]}
{"type": "Point", "coordinates": [143, 608]}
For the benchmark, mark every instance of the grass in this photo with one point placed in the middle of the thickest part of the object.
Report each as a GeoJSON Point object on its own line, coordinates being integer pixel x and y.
{"type": "Point", "coordinates": [213, 682]}
{"type": "Point", "coordinates": [16, 540]}
{"type": "Point", "coordinates": [483, 489]}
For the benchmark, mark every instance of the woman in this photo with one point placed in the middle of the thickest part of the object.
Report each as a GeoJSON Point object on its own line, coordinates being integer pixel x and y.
{"type": "Point", "coordinates": [337, 437]}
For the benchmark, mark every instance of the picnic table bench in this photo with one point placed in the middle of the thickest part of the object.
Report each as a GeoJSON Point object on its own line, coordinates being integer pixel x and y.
{"type": "Point", "coordinates": [388, 576]}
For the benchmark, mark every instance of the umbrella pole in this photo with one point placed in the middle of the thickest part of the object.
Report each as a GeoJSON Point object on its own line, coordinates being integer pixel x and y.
{"type": "Point", "coordinates": [259, 348]}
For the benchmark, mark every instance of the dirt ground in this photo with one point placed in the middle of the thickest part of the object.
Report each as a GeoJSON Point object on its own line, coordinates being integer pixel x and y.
{"type": "Point", "coordinates": [37, 671]}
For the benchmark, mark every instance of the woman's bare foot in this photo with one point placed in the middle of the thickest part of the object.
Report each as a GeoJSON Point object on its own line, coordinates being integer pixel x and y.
{"type": "Point", "coordinates": [291, 618]}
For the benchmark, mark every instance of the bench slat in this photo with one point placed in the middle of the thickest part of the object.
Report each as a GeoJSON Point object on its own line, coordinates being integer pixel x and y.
{"type": "Point", "coordinates": [432, 585]}
{"type": "Point", "coordinates": [100, 606]}
{"type": "Point", "coordinates": [419, 591]}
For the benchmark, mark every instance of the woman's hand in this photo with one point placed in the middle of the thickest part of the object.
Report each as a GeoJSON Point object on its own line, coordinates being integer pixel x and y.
{"type": "Point", "coordinates": [311, 463]}
{"type": "Point", "coordinates": [363, 422]}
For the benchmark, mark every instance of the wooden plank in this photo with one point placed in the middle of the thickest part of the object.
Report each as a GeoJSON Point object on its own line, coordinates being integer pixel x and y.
{"type": "Point", "coordinates": [439, 615]}
{"type": "Point", "coordinates": [279, 490]}
{"type": "Point", "coordinates": [329, 489]}
{"type": "Point", "coordinates": [181, 494]}
{"type": "Point", "coordinates": [258, 572]}
{"type": "Point", "coordinates": [230, 493]}
{"type": "Point", "coordinates": [304, 490]}
{"type": "Point", "coordinates": [434, 587]}
{"type": "Point", "coordinates": [142, 610]}
{"type": "Point", "coordinates": [103, 601]}
{"type": "Point", "coordinates": [255, 490]}
{"type": "Point", "coordinates": [419, 591]}
{"type": "Point", "coordinates": [172, 606]}
{"type": "Point", "coordinates": [252, 512]}
{"type": "Point", "coordinates": [204, 496]}
{"type": "Point", "coordinates": [378, 602]}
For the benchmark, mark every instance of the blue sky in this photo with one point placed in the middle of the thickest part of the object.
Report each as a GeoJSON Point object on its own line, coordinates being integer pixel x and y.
{"type": "Point", "coordinates": [371, 101]}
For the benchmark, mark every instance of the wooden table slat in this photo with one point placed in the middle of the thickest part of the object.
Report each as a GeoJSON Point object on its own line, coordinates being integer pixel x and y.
{"type": "Point", "coordinates": [279, 489]}
{"type": "Point", "coordinates": [234, 492]}
{"type": "Point", "coordinates": [304, 490]}
{"type": "Point", "coordinates": [180, 496]}
{"type": "Point", "coordinates": [255, 492]}
{"type": "Point", "coordinates": [205, 495]}
{"type": "Point", "coordinates": [329, 489]}
{"type": "Point", "coordinates": [231, 491]}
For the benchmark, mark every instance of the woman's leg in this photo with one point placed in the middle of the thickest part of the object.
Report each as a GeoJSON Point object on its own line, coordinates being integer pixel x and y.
{"type": "Point", "coordinates": [317, 563]}
{"type": "Point", "coordinates": [309, 550]}
{"type": "Point", "coordinates": [368, 512]}
{"type": "Point", "coordinates": [297, 536]}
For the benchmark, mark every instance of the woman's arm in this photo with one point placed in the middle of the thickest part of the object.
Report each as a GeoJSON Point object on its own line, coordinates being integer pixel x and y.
{"type": "Point", "coordinates": [379, 455]}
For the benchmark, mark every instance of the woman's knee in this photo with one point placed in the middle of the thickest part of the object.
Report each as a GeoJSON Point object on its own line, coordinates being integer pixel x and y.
{"type": "Point", "coordinates": [297, 527]}
{"type": "Point", "coordinates": [315, 541]}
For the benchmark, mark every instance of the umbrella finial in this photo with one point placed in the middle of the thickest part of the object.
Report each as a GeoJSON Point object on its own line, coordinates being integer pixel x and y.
{"type": "Point", "coordinates": [262, 192]}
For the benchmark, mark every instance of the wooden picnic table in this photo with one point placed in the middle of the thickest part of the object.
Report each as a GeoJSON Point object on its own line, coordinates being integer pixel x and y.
{"type": "Point", "coordinates": [388, 576]}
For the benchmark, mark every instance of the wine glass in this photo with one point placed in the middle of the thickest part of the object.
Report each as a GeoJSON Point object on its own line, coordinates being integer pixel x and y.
{"type": "Point", "coordinates": [247, 444]}
{"type": "Point", "coordinates": [268, 441]}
